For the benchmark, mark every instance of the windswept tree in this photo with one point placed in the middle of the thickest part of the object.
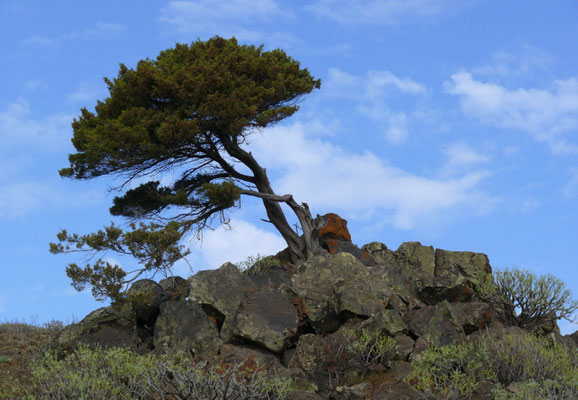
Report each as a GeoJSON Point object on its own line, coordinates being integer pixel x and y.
{"type": "Point", "coordinates": [185, 117]}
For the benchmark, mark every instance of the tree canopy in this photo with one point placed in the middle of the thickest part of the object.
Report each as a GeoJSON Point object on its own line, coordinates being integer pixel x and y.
{"type": "Point", "coordinates": [184, 116]}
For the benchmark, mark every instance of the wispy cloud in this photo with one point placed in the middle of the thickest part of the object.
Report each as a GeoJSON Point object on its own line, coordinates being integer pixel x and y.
{"type": "Point", "coordinates": [98, 30]}
{"type": "Point", "coordinates": [380, 12]}
{"type": "Point", "coordinates": [19, 129]}
{"type": "Point", "coordinates": [461, 157]}
{"type": "Point", "coordinates": [331, 178]}
{"type": "Point", "coordinates": [228, 18]}
{"type": "Point", "coordinates": [18, 199]}
{"type": "Point", "coordinates": [548, 114]}
{"type": "Point", "coordinates": [370, 92]}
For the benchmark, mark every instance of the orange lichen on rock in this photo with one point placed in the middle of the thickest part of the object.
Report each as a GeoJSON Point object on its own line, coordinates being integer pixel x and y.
{"type": "Point", "coordinates": [336, 228]}
{"type": "Point", "coordinates": [213, 319]}
{"type": "Point", "coordinates": [332, 246]}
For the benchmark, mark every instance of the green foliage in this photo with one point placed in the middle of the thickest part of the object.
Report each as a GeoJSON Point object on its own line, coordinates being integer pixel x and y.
{"type": "Point", "coordinates": [369, 348]}
{"type": "Point", "coordinates": [349, 348]}
{"type": "Point", "coordinates": [117, 374]}
{"type": "Point", "coordinates": [524, 300]}
{"type": "Point", "coordinates": [537, 366]}
{"type": "Point", "coordinates": [155, 246]}
{"type": "Point", "coordinates": [449, 372]}
{"type": "Point", "coordinates": [517, 358]}
{"type": "Point", "coordinates": [258, 265]}
{"type": "Point", "coordinates": [187, 113]}
{"type": "Point", "coordinates": [531, 390]}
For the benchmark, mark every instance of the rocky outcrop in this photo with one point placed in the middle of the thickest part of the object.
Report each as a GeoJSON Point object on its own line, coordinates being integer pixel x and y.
{"type": "Point", "coordinates": [293, 317]}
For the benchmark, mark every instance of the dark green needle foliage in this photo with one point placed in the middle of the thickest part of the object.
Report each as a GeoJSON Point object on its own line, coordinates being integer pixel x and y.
{"type": "Point", "coordinates": [185, 117]}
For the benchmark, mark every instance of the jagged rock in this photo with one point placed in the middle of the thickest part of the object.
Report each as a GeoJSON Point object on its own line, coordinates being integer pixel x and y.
{"type": "Point", "coordinates": [106, 327]}
{"type": "Point", "coordinates": [332, 226]}
{"type": "Point", "coordinates": [183, 325]}
{"type": "Point", "coordinates": [403, 347]}
{"type": "Point", "coordinates": [265, 317]}
{"type": "Point", "coordinates": [220, 291]}
{"type": "Point", "coordinates": [335, 287]}
{"type": "Point", "coordinates": [388, 322]}
{"type": "Point", "coordinates": [401, 368]}
{"type": "Point", "coordinates": [176, 287]}
{"type": "Point", "coordinates": [147, 298]}
{"type": "Point", "coordinates": [472, 316]}
{"type": "Point", "coordinates": [236, 354]}
{"type": "Point", "coordinates": [394, 390]}
{"type": "Point", "coordinates": [456, 273]}
{"type": "Point", "coordinates": [436, 325]}
{"type": "Point", "coordinates": [310, 357]}
{"type": "Point", "coordinates": [361, 391]}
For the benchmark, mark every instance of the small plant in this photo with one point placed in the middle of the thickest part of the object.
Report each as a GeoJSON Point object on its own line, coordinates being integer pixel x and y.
{"type": "Point", "coordinates": [368, 348]}
{"type": "Point", "coordinates": [3, 360]}
{"type": "Point", "coordinates": [258, 265]}
{"type": "Point", "coordinates": [524, 300]}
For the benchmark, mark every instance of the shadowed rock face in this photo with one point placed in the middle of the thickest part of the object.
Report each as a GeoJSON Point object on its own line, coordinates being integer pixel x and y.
{"type": "Point", "coordinates": [289, 316]}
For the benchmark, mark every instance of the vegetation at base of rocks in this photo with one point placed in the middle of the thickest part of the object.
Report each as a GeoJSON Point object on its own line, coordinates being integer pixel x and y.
{"type": "Point", "coordinates": [121, 374]}
{"type": "Point", "coordinates": [354, 348]}
{"type": "Point", "coordinates": [370, 348]}
{"type": "Point", "coordinates": [258, 265]}
{"type": "Point", "coordinates": [528, 364]}
{"type": "Point", "coordinates": [524, 300]}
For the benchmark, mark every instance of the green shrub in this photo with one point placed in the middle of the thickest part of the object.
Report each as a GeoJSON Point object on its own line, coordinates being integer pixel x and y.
{"type": "Point", "coordinates": [453, 372]}
{"type": "Point", "coordinates": [450, 372]}
{"type": "Point", "coordinates": [120, 374]}
{"type": "Point", "coordinates": [524, 300]}
{"type": "Point", "coordinates": [368, 348]}
{"type": "Point", "coordinates": [531, 390]}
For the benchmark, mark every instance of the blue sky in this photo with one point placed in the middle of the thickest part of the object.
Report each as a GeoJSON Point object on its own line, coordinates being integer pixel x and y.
{"type": "Point", "coordinates": [453, 123]}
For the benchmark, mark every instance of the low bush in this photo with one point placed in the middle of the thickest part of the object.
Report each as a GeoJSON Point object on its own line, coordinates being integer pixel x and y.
{"type": "Point", "coordinates": [532, 365]}
{"type": "Point", "coordinates": [120, 374]}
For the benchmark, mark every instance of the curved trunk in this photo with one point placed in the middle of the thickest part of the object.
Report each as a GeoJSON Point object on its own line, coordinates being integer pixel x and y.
{"type": "Point", "coordinates": [301, 247]}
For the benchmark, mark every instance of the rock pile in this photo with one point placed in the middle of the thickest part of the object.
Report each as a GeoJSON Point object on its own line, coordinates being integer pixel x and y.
{"type": "Point", "coordinates": [418, 295]}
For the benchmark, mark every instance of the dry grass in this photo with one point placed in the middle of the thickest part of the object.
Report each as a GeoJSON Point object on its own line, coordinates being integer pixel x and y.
{"type": "Point", "coordinates": [20, 343]}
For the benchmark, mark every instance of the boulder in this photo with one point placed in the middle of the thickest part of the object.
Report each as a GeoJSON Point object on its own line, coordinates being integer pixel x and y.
{"type": "Point", "coordinates": [472, 316]}
{"type": "Point", "coordinates": [183, 325]}
{"type": "Point", "coordinates": [403, 347]}
{"type": "Point", "coordinates": [388, 322]}
{"type": "Point", "coordinates": [436, 325]}
{"type": "Point", "coordinates": [311, 358]}
{"type": "Point", "coordinates": [220, 291]}
{"type": "Point", "coordinates": [146, 297]}
{"type": "Point", "coordinates": [105, 327]}
{"type": "Point", "coordinates": [176, 287]}
{"type": "Point", "coordinates": [334, 288]}
{"type": "Point", "coordinates": [456, 273]}
{"type": "Point", "coordinates": [266, 318]}
{"type": "Point", "coordinates": [332, 226]}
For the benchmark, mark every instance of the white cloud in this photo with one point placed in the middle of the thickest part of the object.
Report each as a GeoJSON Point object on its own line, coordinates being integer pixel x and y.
{"type": "Point", "coordinates": [460, 157]}
{"type": "Point", "coordinates": [228, 18]}
{"type": "Point", "coordinates": [18, 129]}
{"type": "Point", "coordinates": [547, 114]}
{"type": "Point", "coordinates": [371, 92]}
{"type": "Point", "coordinates": [100, 29]}
{"type": "Point", "coordinates": [380, 12]}
{"type": "Point", "coordinates": [331, 178]}
{"type": "Point", "coordinates": [506, 64]}
{"type": "Point", "coordinates": [244, 239]}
